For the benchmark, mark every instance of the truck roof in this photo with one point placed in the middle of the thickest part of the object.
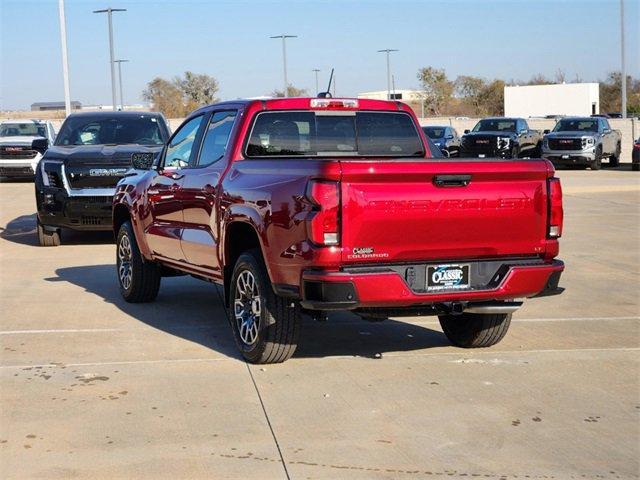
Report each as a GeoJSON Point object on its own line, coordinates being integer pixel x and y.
{"type": "Point", "coordinates": [304, 103]}
{"type": "Point", "coordinates": [24, 120]}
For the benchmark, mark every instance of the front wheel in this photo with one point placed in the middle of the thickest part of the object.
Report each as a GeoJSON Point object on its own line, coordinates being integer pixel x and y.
{"type": "Point", "coordinates": [471, 330]}
{"type": "Point", "coordinates": [614, 159]}
{"type": "Point", "coordinates": [596, 164]}
{"type": "Point", "coordinates": [265, 325]}
{"type": "Point", "coordinates": [47, 238]}
{"type": "Point", "coordinates": [139, 279]}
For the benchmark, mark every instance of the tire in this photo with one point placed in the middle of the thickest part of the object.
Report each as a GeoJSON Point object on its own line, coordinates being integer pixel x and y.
{"type": "Point", "coordinates": [139, 279]}
{"type": "Point", "coordinates": [614, 159]}
{"type": "Point", "coordinates": [471, 330]}
{"type": "Point", "coordinates": [597, 163]}
{"type": "Point", "coordinates": [514, 153]}
{"type": "Point", "coordinates": [635, 167]}
{"type": "Point", "coordinates": [265, 325]}
{"type": "Point", "coordinates": [47, 238]}
{"type": "Point", "coordinates": [537, 152]}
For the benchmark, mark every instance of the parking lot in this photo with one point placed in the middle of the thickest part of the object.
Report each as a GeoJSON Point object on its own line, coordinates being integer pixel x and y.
{"type": "Point", "coordinates": [93, 387]}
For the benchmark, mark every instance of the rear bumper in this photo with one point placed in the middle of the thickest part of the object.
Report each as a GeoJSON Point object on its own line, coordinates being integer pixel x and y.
{"type": "Point", "coordinates": [348, 291]}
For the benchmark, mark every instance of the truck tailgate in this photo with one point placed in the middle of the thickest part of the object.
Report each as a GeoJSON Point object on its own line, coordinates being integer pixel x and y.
{"type": "Point", "coordinates": [395, 211]}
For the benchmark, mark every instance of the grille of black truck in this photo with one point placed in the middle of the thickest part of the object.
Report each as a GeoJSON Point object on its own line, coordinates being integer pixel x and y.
{"type": "Point", "coordinates": [476, 145]}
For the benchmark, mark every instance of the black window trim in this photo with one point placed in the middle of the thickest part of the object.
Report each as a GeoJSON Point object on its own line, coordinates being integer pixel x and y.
{"type": "Point", "coordinates": [195, 141]}
{"type": "Point", "coordinates": [211, 113]}
{"type": "Point", "coordinates": [332, 156]}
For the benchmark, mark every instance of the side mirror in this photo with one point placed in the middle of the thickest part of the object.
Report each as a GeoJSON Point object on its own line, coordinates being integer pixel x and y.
{"type": "Point", "coordinates": [547, 131]}
{"type": "Point", "coordinates": [142, 161]}
{"type": "Point", "coordinates": [467, 131]}
{"type": "Point", "coordinates": [40, 145]}
{"type": "Point", "coordinates": [449, 137]}
{"type": "Point", "coordinates": [606, 130]}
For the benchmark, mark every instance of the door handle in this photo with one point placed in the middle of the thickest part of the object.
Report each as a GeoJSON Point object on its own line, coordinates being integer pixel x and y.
{"type": "Point", "coordinates": [209, 189]}
{"type": "Point", "coordinates": [451, 180]}
{"type": "Point", "coordinates": [176, 176]}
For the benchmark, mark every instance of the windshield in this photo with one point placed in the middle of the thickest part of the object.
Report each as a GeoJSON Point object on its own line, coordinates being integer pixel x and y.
{"type": "Point", "coordinates": [116, 130]}
{"type": "Point", "coordinates": [23, 130]}
{"type": "Point", "coordinates": [341, 134]}
{"type": "Point", "coordinates": [433, 132]}
{"type": "Point", "coordinates": [579, 125]}
{"type": "Point", "coordinates": [495, 125]}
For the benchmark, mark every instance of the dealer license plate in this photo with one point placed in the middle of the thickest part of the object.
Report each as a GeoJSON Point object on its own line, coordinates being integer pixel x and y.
{"type": "Point", "coordinates": [447, 277]}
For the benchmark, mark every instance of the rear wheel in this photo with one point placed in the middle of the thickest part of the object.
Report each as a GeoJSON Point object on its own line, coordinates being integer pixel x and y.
{"type": "Point", "coordinates": [47, 238]}
{"type": "Point", "coordinates": [471, 330]}
{"type": "Point", "coordinates": [139, 279]}
{"type": "Point", "coordinates": [265, 325]}
{"type": "Point", "coordinates": [614, 159]}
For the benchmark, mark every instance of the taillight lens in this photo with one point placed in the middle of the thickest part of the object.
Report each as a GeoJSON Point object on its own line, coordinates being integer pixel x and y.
{"type": "Point", "coordinates": [556, 213]}
{"type": "Point", "coordinates": [324, 224]}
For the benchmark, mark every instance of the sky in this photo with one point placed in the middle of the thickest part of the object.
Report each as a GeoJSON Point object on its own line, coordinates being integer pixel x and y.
{"type": "Point", "coordinates": [508, 39]}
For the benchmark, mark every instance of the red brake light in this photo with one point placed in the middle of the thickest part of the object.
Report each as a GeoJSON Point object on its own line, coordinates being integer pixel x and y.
{"type": "Point", "coordinates": [324, 223]}
{"type": "Point", "coordinates": [556, 213]}
{"type": "Point", "coordinates": [333, 103]}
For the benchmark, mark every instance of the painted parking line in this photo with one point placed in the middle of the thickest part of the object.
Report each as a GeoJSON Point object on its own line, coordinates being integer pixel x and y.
{"type": "Point", "coordinates": [467, 355]}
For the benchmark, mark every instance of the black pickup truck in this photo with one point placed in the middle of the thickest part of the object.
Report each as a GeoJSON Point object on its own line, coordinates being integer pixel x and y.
{"type": "Point", "coordinates": [502, 138]}
{"type": "Point", "coordinates": [76, 178]}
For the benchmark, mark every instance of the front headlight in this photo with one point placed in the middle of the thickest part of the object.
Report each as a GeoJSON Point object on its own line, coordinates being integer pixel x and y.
{"type": "Point", "coordinates": [545, 143]}
{"type": "Point", "coordinates": [588, 141]}
{"type": "Point", "coordinates": [51, 171]}
{"type": "Point", "coordinates": [503, 142]}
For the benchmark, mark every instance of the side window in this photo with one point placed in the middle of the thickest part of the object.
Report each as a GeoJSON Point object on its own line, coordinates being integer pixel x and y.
{"type": "Point", "coordinates": [179, 149]}
{"type": "Point", "coordinates": [605, 124]}
{"type": "Point", "coordinates": [216, 137]}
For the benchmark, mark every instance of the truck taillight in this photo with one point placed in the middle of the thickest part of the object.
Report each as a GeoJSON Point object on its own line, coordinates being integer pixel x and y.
{"type": "Point", "coordinates": [324, 224]}
{"type": "Point", "coordinates": [555, 208]}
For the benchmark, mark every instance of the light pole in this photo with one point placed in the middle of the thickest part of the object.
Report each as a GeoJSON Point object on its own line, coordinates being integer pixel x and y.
{"type": "Point", "coordinates": [388, 51]}
{"type": "Point", "coordinates": [65, 60]}
{"type": "Point", "coordinates": [316, 71]}
{"type": "Point", "coordinates": [120, 62]}
{"type": "Point", "coordinates": [109, 11]}
{"type": "Point", "coordinates": [624, 69]}
{"type": "Point", "coordinates": [284, 59]}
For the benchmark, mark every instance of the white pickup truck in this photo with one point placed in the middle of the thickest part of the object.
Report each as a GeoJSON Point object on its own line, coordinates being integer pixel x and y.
{"type": "Point", "coordinates": [22, 144]}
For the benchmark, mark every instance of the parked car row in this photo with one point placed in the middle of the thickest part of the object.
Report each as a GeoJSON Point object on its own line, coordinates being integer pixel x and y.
{"type": "Point", "coordinates": [579, 141]}
{"type": "Point", "coordinates": [303, 205]}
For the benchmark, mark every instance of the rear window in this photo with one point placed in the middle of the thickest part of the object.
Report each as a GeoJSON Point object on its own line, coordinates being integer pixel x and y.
{"type": "Point", "coordinates": [323, 134]}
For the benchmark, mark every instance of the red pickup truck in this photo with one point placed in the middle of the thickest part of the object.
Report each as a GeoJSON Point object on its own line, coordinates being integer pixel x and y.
{"type": "Point", "coordinates": [319, 204]}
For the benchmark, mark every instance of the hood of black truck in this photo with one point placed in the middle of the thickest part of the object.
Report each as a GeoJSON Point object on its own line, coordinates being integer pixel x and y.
{"type": "Point", "coordinates": [96, 166]}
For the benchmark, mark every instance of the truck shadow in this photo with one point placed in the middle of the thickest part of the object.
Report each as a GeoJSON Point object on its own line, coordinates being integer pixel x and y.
{"type": "Point", "coordinates": [22, 230]}
{"type": "Point", "coordinates": [193, 310]}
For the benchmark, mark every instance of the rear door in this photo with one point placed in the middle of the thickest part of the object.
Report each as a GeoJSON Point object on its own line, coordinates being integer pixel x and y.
{"type": "Point", "coordinates": [165, 229]}
{"type": "Point", "coordinates": [200, 186]}
{"type": "Point", "coordinates": [396, 211]}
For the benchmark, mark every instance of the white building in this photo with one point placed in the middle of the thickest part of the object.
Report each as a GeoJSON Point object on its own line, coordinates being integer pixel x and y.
{"type": "Point", "coordinates": [575, 99]}
{"type": "Point", "coordinates": [402, 95]}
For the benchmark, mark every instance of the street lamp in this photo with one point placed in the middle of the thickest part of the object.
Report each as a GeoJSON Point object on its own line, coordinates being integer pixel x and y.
{"type": "Point", "coordinates": [109, 11]}
{"type": "Point", "coordinates": [388, 51]}
{"type": "Point", "coordinates": [120, 62]}
{"type": "Point", "coordinates": [316, 71]}
{"type": "Point", "coordinates": [624, 69]}
{"type": "Point", "coordinates": [284, 59]}
{"type": "Point", "coordinates": [65, 60]}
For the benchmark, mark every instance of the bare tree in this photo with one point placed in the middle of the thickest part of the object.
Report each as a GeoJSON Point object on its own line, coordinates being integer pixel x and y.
{"type": "Point", "coordinates": [436, 87]}
{"type": "Point", "coordinates": [291, 92]}
{"type": "Point", "coordinates": [178, 97]}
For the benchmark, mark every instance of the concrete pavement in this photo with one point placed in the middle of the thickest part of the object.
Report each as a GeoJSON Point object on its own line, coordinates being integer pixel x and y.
{"type": "Point", "coordinates": [92, 387]}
